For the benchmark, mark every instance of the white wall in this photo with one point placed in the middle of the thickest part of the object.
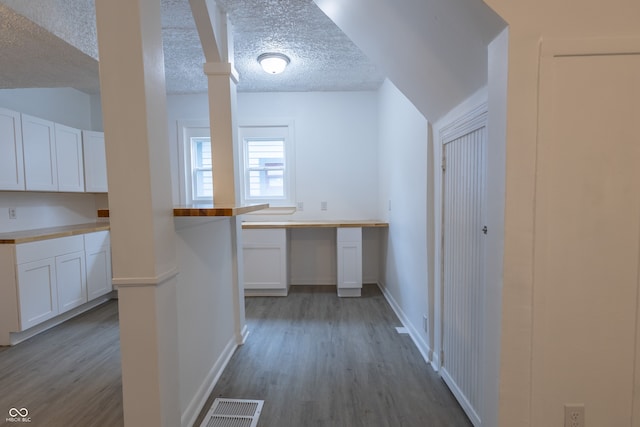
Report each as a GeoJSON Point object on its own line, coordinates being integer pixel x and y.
{"type": "Point", "coordinates": [524, 398]}
{"type": "Point", "coordinates": [335, 145]}
{"type": "Point", "coordinates": [62, 105]}
{"type": "Point", "coordinates": [336, 161]}
{"type": "Point", "coordinates": [403, 174]}
{"type": "Point", "coordinates": [39, 210]}
{"type": "Point", "coordinates": [205, 308]}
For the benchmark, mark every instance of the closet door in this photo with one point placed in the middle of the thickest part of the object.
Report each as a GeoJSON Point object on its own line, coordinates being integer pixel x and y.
{"type": "Point", "coordinates": [463, 265]}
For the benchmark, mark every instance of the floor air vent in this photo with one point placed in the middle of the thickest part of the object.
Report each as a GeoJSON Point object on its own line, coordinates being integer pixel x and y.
{"type": "Point", "coordinates": [233, 413]}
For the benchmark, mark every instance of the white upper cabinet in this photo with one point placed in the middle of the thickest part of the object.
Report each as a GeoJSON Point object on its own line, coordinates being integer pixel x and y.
{"type": "Point", "coordinates": [11, 159]}
{"type": "Point", "coordinates": [39, 143]}
{"type": "Point", "coordinates": [95, 162]}
{"type": "Point", "coordinates": [69, 158]}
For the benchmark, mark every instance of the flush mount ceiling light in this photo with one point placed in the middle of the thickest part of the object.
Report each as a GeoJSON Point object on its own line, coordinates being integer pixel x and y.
{"type": "Point", "coordinates": [273, 63]}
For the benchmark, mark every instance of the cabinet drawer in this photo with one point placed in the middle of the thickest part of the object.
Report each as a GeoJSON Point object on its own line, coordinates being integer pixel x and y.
{"type": "Point", "coordinates": [271, 237]}
{"type": "Point", "coordinates": [33, 251]}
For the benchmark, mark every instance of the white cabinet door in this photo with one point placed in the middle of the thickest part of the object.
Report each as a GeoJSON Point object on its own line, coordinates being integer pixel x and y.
{"type": "Point", "coordinates": [349, 261]}
{"type": "Point", "coordinates": [69, 163]}
{"type": "Point", "coordinates": [72, 280]}
{"type": "Point", "coordinates": [95, 162]}
{"type": "Point", "coordinates": [37, 292]}
{"type": "Point", "coordinates": [98, 256]}
{"type": "Point", "coordinates": [39, 144]}
{"type": "Point", "coordinates": [11, 158]}
{"type": "Point", "coordinates": [264, 254]}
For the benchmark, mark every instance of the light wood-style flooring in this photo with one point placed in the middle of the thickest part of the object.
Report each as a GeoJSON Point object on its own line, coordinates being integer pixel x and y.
{"type": "Point", "coordinates": [319, 360]}
{"type": "Point", "coordinates": [315, 359]}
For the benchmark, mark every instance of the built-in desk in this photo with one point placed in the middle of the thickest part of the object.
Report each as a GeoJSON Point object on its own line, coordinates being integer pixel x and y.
{"type": "Point", "coordinates": [265, 255]}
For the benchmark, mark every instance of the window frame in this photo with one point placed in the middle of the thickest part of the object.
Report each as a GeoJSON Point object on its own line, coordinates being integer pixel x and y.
{"type": "Point", "coordinates": [188, 129]}
{"type": "Point", "coordinates": [265, 131]}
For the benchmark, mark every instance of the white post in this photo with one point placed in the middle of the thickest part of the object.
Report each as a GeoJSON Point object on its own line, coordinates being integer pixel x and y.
{"type": "Point", "coordinates": [140, 202]}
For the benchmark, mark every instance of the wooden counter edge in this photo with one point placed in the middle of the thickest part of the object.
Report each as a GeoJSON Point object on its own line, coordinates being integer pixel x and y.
{"type": "Point", "coordinates": [46, 235]}
{"type": "Point", "coordinates": [194, 211]}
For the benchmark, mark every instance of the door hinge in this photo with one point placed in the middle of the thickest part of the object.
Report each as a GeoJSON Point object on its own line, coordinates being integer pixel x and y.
{"type": "Point", "coordinates": [485, 229]}
{"type": "Point", "coordinates": [444, 164]}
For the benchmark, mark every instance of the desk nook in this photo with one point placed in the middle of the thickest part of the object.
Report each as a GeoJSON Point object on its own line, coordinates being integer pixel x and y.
{"type": "Point", "coordinates": [266, 253]}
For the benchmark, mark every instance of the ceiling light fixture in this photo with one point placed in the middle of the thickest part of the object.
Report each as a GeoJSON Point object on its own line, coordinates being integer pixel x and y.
{"type": "Point", "coordinates": [273, 63]}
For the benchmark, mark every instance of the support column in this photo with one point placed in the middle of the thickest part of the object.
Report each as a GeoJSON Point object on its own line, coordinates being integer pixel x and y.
{"type": "Point", "coordinates": [222, 106]}
{"type": "Point", "coordinates": [142, 230]}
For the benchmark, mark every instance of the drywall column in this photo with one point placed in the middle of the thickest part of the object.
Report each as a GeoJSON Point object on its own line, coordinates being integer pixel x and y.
{"type": "Point", "coordinates": [142, 230]}
{"type": "Point", "coordinates": [222, 111]}
{"type": "Point", "coordinates": [222, 105]}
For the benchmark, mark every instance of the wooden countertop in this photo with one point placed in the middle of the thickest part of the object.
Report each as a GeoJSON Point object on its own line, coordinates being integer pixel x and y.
{"type": "Point", "coordinates": [313, 224]}
{"type": "Point", "coordinates": [27, 236]}
{"type": "Point", "coordinates": [205, 210]}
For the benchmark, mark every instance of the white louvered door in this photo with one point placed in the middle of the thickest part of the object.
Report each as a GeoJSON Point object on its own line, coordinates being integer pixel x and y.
{"type": "Point", "coordinates": [463, 264]}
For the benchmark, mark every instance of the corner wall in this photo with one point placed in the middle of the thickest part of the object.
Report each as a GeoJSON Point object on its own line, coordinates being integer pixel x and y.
{"type": "Point", "coordinates": [404, 170]}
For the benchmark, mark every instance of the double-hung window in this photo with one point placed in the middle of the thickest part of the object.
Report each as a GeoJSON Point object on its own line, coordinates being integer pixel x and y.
{"type": "Point", "coordinates": [196, 177]}
{"type": "Point", "coordinates": [201, 172]}
{"type": "Point", "coordinates": [266, 154]}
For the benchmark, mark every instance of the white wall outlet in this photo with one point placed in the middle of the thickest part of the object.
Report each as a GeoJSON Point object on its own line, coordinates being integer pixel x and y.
{"type": "Point", "coordinates": [389, 205]}
{"type": "Point", "coordinates": [323, 206]}
{"type": "Point", "coordinates": [12, 213]}
{"type": "Point", "coordinates": [300, 206]}
{"type": "Point", "coordinates": [574, 415]}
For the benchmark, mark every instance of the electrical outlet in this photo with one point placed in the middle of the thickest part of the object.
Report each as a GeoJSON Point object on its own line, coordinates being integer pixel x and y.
{"type": "Point", "coordinates": [574, 415]}
{"type": "Point", "coordinates": [300, 206]}
{"type": "Point", "coordinates": [12, 213]}
{"type": "Point", "coordinates": [323, 206]}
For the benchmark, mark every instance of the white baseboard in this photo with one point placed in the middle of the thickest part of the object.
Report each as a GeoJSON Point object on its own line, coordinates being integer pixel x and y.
{"type": "Point", "coordinates": [460, 397]}
{"type": "Point", "coordinates": [417, 339]}
{"type": "Point", "coordinates": [193, 409]}
{"type": "Point", "coordinates": [18, 337]}
{"type": "Point", "coordinates": [266, 292]}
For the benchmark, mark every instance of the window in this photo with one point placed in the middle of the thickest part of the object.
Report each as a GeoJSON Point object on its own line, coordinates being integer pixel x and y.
{"type": "Point", "coordinates": [266, 165]}
{"type": "Point", "coordinates": [201, 172]}
{"type": "Point", "coordinates": [196, 175]}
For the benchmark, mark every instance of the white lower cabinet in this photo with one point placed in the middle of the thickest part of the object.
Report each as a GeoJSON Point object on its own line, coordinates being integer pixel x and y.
{"type": "Point", "coordinates": [349, 261]}
{"type": "Point", "coordinates": [264, 254]}
{"type": "Point", "coordinates": [52, 277]}
{"type": "Point", "coordinates": [37, 292]}
{"type": "Point", "coordinates": [72, 281]}
{"type": "Point", "coordinates": [98, 254]}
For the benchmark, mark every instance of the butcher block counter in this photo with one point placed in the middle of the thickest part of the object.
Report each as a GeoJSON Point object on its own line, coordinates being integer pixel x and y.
{"type": "Point", "coordinates": [26, 236]}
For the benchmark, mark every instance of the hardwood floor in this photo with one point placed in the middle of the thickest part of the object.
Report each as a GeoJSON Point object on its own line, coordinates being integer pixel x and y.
{"type": "Point", "coordinates": [319, 360]}
{"type": "Point", "coordinates": [67, 376]}
{"type": "Point", "coordinates": [315, 359]}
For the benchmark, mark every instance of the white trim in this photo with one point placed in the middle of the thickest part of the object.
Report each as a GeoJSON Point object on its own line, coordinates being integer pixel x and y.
{"type": "Point", "coordinates": [589, 47]}
{"type": "Point", "coordinates": [460, 397]}
{"type": "Point", "coordinates": [184, 156]}
{"type": "Point", "coordinates": [469, 122]}
{"type": "Point", "coordinates": [221, 69]}
{"type": "Point", "coordinates": [18, 337]}
{"type": "Point", "coordinates": [420, 343]}
{"type": "Point", "coordinates": [191, 412]}
{"type": "Point", "coordinates": [290, 160]}
{"type": "Point", "coordinates": [145, 281]}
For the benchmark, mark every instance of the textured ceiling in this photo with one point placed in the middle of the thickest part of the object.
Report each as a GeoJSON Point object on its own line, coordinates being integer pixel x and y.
{"type": "Point", "coordinates": [56, 46]}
